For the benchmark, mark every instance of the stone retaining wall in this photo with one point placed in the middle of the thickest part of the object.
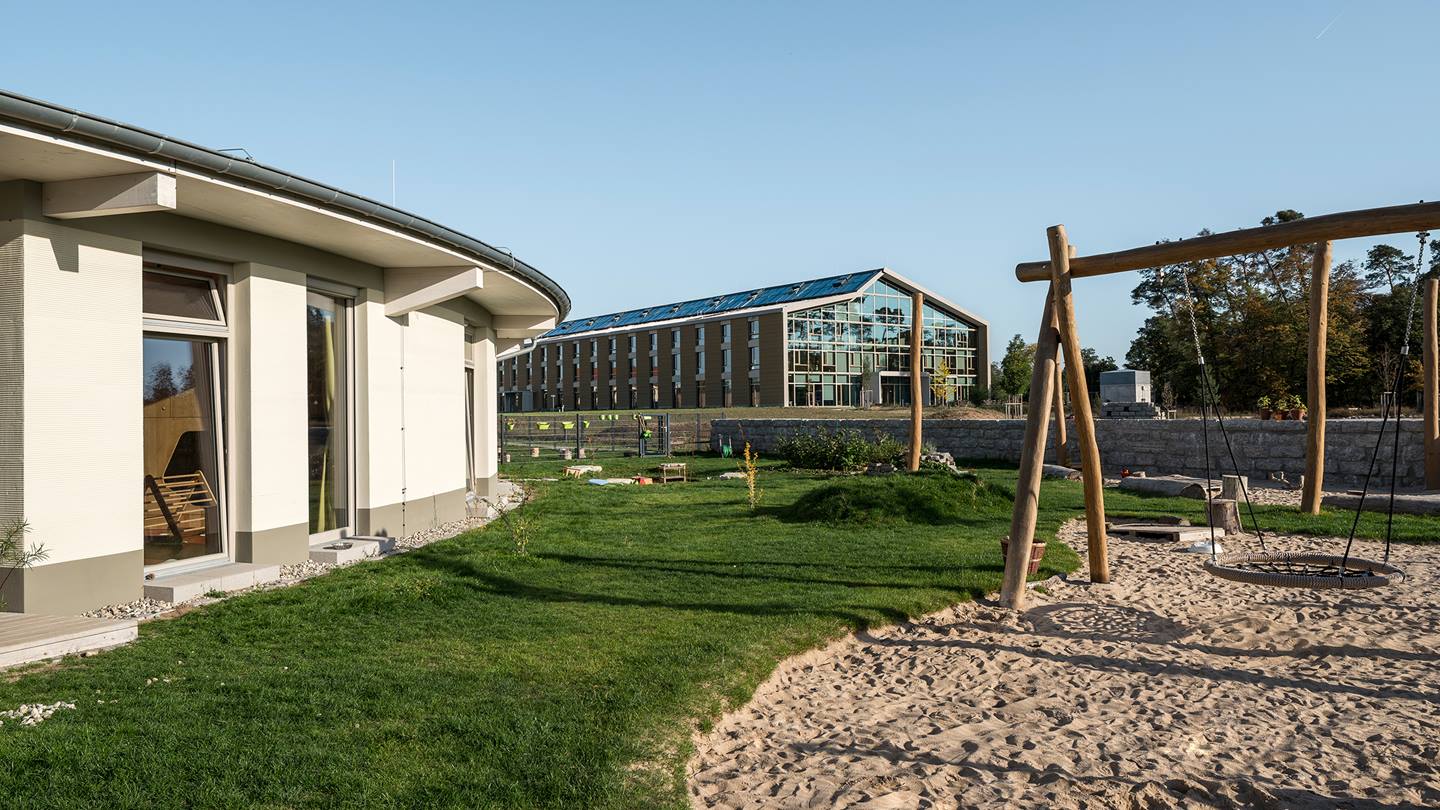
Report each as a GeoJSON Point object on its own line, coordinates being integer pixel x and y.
{"type": "Point", "coordinates": [1157, 447]}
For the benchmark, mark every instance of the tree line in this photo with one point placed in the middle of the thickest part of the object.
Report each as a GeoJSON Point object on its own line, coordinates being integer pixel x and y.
{"type": "Point", "coordinates": [1252, 321]}
{"type": "Point", "coordinates": [1010, 375]}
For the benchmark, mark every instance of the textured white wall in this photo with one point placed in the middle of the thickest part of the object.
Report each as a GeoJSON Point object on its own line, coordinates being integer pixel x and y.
{"type": "Point", "coordinates": [433, 403]}
{"type": "Point", "coordinates": [268, 398]}
{"type": "Point", "coordinates": [82, 397]}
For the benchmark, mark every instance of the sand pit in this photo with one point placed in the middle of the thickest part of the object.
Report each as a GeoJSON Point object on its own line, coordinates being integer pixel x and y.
{"type": "Point", "coordinates": [1166, 688]}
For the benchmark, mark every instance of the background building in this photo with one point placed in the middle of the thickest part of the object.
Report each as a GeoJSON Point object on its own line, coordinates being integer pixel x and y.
{"type": "Point", "coordinates": [836, 341]}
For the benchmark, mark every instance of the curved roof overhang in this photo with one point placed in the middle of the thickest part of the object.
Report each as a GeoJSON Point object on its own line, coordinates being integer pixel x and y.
{"type": "Point", "coordinates": [49, 144]}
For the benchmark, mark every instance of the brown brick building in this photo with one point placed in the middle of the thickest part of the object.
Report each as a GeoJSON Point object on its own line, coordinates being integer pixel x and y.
{"type": "Point", "coordinates": [836, 341]}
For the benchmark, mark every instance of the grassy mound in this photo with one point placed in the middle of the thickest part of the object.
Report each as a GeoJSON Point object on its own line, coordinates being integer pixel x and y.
{"type": "Point", "coordinates": [929, 498]}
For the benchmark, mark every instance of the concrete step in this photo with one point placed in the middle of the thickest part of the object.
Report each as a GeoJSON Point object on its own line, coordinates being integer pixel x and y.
{"type": "Point", "coordinates": [335, 552]}
{"type": "Point", "coordinates": [228, 577]}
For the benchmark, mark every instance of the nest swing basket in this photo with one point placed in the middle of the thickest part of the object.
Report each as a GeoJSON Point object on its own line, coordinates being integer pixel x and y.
{"type": "Point", "coordinates": [1304, 570]}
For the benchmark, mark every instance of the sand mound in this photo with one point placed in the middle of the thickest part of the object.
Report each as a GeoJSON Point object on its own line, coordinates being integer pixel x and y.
{"type": "Point", "coordinates": [1166, 688]}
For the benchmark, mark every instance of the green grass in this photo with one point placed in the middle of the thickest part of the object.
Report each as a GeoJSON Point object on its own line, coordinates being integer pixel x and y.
{"type": "Point", "coordinates": [465, 675]}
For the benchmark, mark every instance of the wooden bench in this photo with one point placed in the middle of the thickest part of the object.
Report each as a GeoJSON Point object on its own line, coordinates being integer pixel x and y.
{"type": "Point", "coordinates": [673, 471]}
{"type": "Point", "coordinates": [176, 504]}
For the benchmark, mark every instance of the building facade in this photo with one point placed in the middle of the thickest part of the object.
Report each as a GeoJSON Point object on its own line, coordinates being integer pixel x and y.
{"type": "Point", "coordinates": [209, 363]}
{"type": "Point", "coordinates": [836, 341]}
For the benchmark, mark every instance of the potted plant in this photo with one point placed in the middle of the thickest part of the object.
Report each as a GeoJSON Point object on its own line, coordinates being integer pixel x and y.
{"type": "Point", "coordinates": [1296, 407]}
{"type": "Point", "coordinates": [1265, 407]}
{"type": "Point", "coordinates": [1037, 553]}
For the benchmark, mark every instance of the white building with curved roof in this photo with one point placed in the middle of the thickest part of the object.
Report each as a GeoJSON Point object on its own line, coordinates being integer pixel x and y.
{"type": "Point", "coordinates": [211, 365]}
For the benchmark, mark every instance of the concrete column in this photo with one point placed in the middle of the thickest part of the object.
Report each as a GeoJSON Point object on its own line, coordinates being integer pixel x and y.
{"type": "Point", "coordinates": [269, 430]}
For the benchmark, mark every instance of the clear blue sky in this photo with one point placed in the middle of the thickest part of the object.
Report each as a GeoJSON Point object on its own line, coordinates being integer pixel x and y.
{"type": "Point", "coordinates": [647, 152]}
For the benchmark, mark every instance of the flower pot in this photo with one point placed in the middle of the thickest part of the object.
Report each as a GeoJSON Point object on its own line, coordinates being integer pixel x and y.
{"type": "Point", "coordinates": [1297, 414]}
{"type": "Point", "coordinates": [1037, 553]}
{"type": "Point", "coordinates": [1265, 414]}
{"type": "Point", "coordinates": [1277, 415]}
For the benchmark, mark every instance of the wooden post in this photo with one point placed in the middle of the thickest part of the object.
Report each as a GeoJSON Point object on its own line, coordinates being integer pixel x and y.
{"type": "Point", "coordinates": [917, 394]}
{"type": "Point", "coordinates": [1032, 461]}
{"type": "Point", "coordinates": [1314, 484]}
{"type": "Point", "coordinates": [1432, 386]}
{"type": "Point", "coordinates": [1090, 472]}
{"type": "Point", "coordinates": [1062, 452]}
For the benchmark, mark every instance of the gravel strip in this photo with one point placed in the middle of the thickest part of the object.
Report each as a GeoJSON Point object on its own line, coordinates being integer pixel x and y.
{"type": "Point", "coordinates": [483, 511]}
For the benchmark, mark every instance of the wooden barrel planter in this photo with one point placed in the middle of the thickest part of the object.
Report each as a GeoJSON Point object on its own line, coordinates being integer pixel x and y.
{"type": "Point", "coordinates": [1037, 553]}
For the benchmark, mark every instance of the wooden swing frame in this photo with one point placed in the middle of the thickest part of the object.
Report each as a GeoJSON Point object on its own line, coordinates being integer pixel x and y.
{"type": "Point", "coordinates": [1058, 329]}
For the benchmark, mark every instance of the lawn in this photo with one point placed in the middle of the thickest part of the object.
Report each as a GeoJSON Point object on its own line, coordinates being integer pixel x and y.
{"type": "Point", "coordinates": [464, 674]}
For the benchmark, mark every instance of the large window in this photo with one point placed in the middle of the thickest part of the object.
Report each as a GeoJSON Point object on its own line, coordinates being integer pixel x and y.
{"type": "Point", "coordinates": [832, 348]}
{"type": "Point", "coordinates": [469, 427]}
{"type": "Point", "coordinates": [182, 423]}
{"type": "Point", "coordinates": [327, 380]}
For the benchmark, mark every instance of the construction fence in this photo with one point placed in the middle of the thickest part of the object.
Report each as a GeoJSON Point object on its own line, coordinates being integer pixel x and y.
{"type": "Point", "coordinates": [595, 435]}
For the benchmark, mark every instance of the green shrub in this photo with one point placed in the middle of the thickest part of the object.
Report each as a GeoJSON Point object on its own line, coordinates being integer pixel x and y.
{"type": "Point", "coordinates": [841, 450]}
{"type": "Point", "coordinates": [927, 497]}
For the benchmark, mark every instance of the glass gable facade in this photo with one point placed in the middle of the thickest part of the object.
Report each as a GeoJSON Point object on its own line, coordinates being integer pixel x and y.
{"type": "Point", "coordinates": [838, 350]}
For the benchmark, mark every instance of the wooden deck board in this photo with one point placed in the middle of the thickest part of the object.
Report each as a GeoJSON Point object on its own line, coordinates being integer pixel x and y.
{"type": "Point", "coordinates": [26, 637]}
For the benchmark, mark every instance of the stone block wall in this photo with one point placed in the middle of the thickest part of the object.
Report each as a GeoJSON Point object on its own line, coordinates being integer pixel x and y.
{"type": "Point", "coordinates": [1157, 447]}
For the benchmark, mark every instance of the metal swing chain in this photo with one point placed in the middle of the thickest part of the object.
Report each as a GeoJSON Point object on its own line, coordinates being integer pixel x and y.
{"type": "Point", "coordinates": [1389, 398]}
{"type": "Point", "coordinates": [1211, 395]}
{"type": "Point", "coordinates": [1423, 237]}
{"type": "Point", "coordinates": [1204, 413]}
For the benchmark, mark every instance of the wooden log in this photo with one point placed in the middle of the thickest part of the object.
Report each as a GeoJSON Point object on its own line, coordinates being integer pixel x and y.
{"type": "Point", "coordinates": [1225, 514]}
{"type": "Point", "coordinates": [1432, 386]}
{"type": "Point", "coordinates": [1173, 486]}
{"type": "Point", "coordinates": [917, 393]}
{"type": "Point", "coordinates": [1420, 503]}
{"type": "Point", "coordinates": [1091, 473]}
{"type": "Point", "coordinates": [1032, 462]}
{"type": "Point", "coordinates": [1062, 449]}
{"type": "Point", "coordinates": [1342, 225]}
{"type": "Point", "coordinates": [1314, 482]}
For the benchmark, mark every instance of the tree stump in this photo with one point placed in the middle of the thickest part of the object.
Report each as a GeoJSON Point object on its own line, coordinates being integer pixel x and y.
{"type": "Point", "coordinates": [1230, 487]}
{"type": "Point", "coordinates": [1225, 514]}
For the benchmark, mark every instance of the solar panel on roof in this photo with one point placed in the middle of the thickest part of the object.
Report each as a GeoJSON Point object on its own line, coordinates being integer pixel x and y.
{"type": "Point", "coordinates": [765, 296]}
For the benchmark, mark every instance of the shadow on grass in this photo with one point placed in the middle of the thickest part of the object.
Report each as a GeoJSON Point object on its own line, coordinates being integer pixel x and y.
{"type": "Point", "coordinates": [711, 568]}
{"type": "Point", "coordinates": [487, 582]}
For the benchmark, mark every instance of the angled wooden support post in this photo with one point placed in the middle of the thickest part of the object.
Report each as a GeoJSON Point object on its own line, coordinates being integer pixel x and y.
{"type": "Point", "coordinates": [1432, 386]}
{"type": "Point", "coordinates": [1032, 461]}
{"type": "Point", "coordinates": [1062, 450]}
{"type": "Point", "coordinates": [1090, 471]}
{"type": "Point", "coordinates": [1314, 485]}
{"type": "Point", "coordinates": [917, 391]}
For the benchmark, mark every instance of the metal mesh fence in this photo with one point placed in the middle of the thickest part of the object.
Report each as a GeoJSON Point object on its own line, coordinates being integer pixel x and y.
{"type": "Point", "coordinates": [597, 435]}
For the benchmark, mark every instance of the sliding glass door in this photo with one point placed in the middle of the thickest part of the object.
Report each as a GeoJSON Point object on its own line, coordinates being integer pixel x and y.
{"type": "Point", "coordinates": [327, 341]}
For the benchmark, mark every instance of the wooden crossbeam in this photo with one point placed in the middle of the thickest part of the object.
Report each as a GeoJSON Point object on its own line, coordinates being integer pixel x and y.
{"type": "Point", "coordinates": [1344, 225]}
